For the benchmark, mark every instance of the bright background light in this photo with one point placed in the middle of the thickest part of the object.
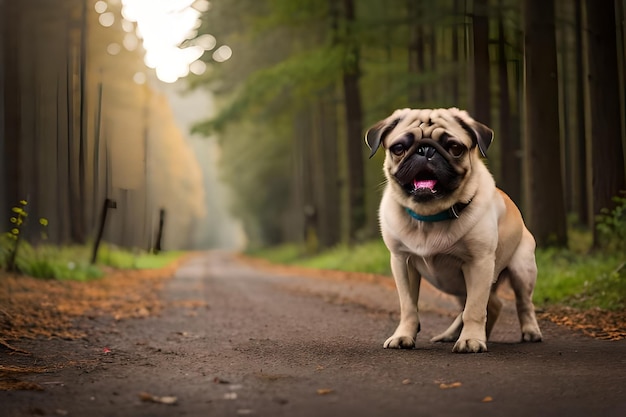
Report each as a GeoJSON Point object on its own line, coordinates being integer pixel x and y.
{"type": "Point", "coordinates": [164, 25]}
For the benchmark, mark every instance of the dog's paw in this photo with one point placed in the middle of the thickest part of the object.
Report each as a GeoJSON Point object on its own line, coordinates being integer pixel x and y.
{"type": "Point", "coordinates": [470, 346]}
{"type": "Point", "coordinates": [399, 342]}
{"type": "Point", "coordinates": [531, 335]}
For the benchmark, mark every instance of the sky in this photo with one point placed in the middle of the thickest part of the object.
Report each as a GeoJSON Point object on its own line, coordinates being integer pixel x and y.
{"type": "Point", "coordinates": [162, 26]}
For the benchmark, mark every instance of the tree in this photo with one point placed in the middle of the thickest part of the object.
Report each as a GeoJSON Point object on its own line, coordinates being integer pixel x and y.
{"type": "Point", "coordinates": [604, 150]}
{"type": "Point", "coordinates": [11, 105]}
{"type": "Point", "coordinates": [481, 80]}
{"type": "Point", "coordinates": [301, 67]}
{"type": "Point", "coordinates": [354, 125]}
{"type": "Point", "coordinates": [510, 163]}
{"type": "Point", "coordinates": [544, 185]}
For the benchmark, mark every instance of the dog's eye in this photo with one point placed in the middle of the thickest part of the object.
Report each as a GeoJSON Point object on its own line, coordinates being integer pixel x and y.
{"type": "Point", "coordinates": [456, 149]}
{"type": "Point", "coordinates": [397, 149]}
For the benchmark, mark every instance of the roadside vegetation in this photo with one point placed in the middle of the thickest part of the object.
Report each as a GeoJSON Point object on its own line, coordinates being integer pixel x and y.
{"type": "Point", "coordinates": [73, 262]}
{"type": "Point", "coordinates": [580, 276]}
{"type": "Point", "coordinates": [66, 262]}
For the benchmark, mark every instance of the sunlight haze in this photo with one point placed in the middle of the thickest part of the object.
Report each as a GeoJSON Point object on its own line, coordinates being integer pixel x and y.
{"type": "Point", "coordinates": [163, 25]}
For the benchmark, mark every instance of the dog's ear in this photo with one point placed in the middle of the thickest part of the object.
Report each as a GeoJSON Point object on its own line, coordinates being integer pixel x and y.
{"type": "Point", "coordinates": [377, 133]}
{"type": "Point", "coordinates": [484, 137]}
{"type": "Point", "coordinates": [481, 135]}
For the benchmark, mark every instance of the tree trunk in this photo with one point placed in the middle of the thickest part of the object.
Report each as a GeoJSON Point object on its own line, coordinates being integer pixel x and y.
{"type": "Point", "coordinates": [544, 185]}
{"type": "Point", "coordinates": [82, 144]}
{"type": "Point", "coordinates": [454, 79]}
{"type": "Point", "coordinates": [326, 185]}
{"type": "Point", "coordinates": [11, 106]}
{"type": "Point", "coordinates": [481, 96]}
{"type": "Point", "coordinates": [416, 53]}
{"type": "Point", "coordinates": [577, 146]}
{"type": "Point", "coordinates": [510, 163]}
{"type": "Point", "coordinates": [354, 129]}
{"type": "Point", "coordinates": [604, 151]}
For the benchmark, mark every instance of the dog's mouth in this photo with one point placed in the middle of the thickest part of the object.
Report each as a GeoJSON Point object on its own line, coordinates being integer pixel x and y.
{"type": "Point", "coordinates": [426, 185]}
{"type": "Point", "coordinates": [422, 185]}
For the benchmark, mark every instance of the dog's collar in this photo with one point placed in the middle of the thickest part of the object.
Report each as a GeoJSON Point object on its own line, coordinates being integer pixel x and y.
{"type": "Point", "coordinates": [449, 214]}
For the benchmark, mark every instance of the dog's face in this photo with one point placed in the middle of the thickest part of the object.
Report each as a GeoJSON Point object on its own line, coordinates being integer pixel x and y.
{"type": "Point", "coordinates": [429, 153]}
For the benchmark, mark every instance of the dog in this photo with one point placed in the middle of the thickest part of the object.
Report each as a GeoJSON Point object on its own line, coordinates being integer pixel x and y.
{"type": "Point", "coordinates": [443, 219]}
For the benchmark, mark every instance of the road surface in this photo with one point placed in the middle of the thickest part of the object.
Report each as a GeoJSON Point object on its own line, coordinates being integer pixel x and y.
{"type": "Point", "coordinates": [242, 340]}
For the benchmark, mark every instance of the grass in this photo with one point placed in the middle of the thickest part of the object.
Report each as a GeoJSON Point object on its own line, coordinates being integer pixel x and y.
{"type": "Point", "coordinates": [566, 276]}
{"type": "Point", "coordinates": [369, 257]}
{"type": "Point", "coordinates": [73, 262]}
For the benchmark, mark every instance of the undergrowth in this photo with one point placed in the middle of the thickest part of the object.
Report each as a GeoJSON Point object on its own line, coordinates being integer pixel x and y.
{"type": "Point", "coordinates": [72, 262]}
{"type": "Point", "coordinates": [576, 276]}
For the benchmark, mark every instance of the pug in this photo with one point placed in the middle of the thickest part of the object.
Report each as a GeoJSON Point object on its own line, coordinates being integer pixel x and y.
{"type": "Point", "coordinates": [443, 219]}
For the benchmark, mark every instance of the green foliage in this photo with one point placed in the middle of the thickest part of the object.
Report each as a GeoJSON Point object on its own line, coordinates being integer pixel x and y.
{"type": "Point", "coordinates": [300, 75]}
{"type": "Point", "coordinates": [565, 277]}
{"type": "Point", "coordinates": [72, 262]}
{"type": "Point", "coordinates": [123, 259]}
{"type": "Point", "coordinates": [369, 257]}
{"type": "Point", "coordinates": [594, 280]}
{"type": "Point", "coordinates": [283, 254]}
{"type": "Point", "coordinates": [9, 255]}
{"type": "Point", "coordinates": [611, 226]}
{"type": "Point", "coordinates": [53, 262]}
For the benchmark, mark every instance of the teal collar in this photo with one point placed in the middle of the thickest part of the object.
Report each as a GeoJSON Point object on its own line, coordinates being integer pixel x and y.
{"type": "Point", "coordinates": [449, 214]}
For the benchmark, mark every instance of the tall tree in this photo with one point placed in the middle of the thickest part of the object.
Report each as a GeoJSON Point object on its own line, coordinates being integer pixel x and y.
{"type": "Point", "coordinates": [577, 145]}
{"type": "Point", "coordinates": [354, 125]}
{"type": "Point", "coordinates": [11, 104]}
{"type": "Point", "coordinates": [604, 150]}
{"type": "Point", "coordinates": [544, 185]}
{"type": "Point", "coordinates": [417, 63]}
{"type": "Point", "coordinates": [326, 186]}
{"type": "Point", "coordinates": [481, 91]}
{"type": "Point", "coordinates": [510, 163]}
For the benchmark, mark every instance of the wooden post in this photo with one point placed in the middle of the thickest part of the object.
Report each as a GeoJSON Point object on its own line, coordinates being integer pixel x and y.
{"type": "Point", "coordinates": [158, 248]}
{"type": "Point", "coordinates": [108, 203]}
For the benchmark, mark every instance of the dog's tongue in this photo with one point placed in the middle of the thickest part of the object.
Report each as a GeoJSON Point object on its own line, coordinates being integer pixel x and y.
{"type": "Point", "coordinates": [429, 184]}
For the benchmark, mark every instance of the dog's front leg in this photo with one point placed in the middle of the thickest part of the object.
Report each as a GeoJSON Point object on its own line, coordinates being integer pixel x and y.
{"type": "Point", "coordinates": [408, 285]}
{"type": "Point", "coordinates": [478, 280]}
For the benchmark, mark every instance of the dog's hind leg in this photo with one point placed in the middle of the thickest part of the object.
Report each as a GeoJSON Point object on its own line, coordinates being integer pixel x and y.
{"type": "Point", "coordinates": [493, 311]}
{"type": "Point", "coordinates": [523, 274]}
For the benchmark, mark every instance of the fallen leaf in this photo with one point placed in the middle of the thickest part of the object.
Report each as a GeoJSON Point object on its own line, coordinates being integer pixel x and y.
{"type": "Point", "coordinates": [219, 380]}
{"type": "Point", "coordinates": [167, 400]}
{"type": "Point", "coordinates": [451, 385]}
{"type": "Point", "coordinates": [16, 385]}
{"type": "Point", "coordinates": [324, 391]}
{"type": "Point", "coordinates": [406, 381]}
{"type": "Point", "coordinates": [106, 350]}
{"type": "Point", "coordinates": [487, 399]}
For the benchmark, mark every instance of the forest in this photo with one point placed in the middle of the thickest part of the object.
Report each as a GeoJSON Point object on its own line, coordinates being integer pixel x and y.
{"type": "Point", "coordinates": [80, 123]}
{"type": "Point", "coordinates": [305, 80]}
{"type": "Point", "coordinates": [308, 77]}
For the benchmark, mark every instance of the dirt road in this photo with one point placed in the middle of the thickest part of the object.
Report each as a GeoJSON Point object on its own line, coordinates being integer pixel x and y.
{"type": "Point", "coordinates": [236, 340]}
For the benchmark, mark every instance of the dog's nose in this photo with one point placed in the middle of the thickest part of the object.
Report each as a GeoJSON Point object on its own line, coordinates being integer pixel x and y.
{"type": "Point", "coordinates": [427, 151]}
